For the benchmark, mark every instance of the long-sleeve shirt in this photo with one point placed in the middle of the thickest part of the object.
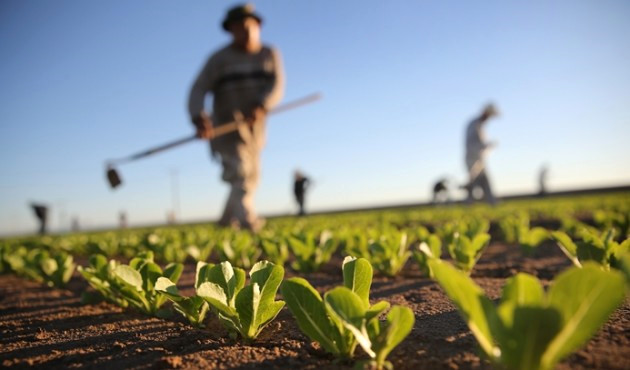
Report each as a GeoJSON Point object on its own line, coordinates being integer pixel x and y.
{"type": "Point", "coordinates": [238, 81]}
{"type": "Point", "coordinates": [476, 144]}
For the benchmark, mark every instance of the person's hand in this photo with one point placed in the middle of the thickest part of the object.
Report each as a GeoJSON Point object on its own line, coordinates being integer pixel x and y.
{"type": "Point", "coordinates": [203, 124]}
{"type": "Point", "coordinates": [258, 114]}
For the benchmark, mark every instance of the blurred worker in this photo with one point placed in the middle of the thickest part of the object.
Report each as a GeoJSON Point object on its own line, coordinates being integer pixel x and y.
{"type": "Point", "coordinates": [122, 219]}
{"type": "Point", "coordinates": [440, 191]}
{"type": "Point", "coordinates": [542, 180]}
{"type": "Point", "coordinates": [246, 80]}
{"type": "Point", "coordinates": [476, 149]}
{"type": "Point", "coordinates": [41, 212]}
{"type": "Point", "coordinates": [299, 188]}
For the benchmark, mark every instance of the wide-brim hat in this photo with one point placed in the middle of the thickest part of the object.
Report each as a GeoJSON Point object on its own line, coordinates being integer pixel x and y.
{"type": "Point", "coordinates": [238, 13]}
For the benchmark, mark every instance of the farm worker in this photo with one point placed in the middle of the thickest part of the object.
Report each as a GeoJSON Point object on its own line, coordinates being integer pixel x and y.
{"type": "Point", "coordinates": [299, 188]}
{"type": "Point", "coordinates": [246, 80]}
{"type": "Point", "coordinates": [41, 212]}
{"type": "Point", "coordinates": [542, 180]}
{"type": "Point", "coordinates": [476, 149]}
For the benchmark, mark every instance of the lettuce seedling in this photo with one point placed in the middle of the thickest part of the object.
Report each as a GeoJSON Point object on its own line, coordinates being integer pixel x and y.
{"type": "Point", "coordinates": [194, 308]}
{"type": "Point", "coordinates": [602, 249]}
{"type": "Point", "coordinates": [310, 252]}
{"type": "Point", "coordinates": [517, 230]}
{"type": "Point", "coordinates": [344, 317]}
{"type": "Point", "coordinates": [99, 273]}
{"type": "Point", "coordinates": [466, 252]}
{"type": "Point", "coordinates": [430, 246]}
{"type": "Point", "coordinates": [531, 330]}
{"type": "Point", "coordinates": [133, 283]}
{"type": "Point", "coordinates": [276, 249]}
{"type": "Point", "coordinates": [239, 249]}
{"type": "Point", "coordinates": [244, 310]}
{"type": "Point", "coordinates": [52, 268]}
{"type": "Point", "coordinates": [389, 254]}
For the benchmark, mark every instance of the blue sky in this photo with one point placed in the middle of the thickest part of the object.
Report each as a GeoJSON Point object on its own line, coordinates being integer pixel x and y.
{"type": "Point", "coordinates": [86, 81]}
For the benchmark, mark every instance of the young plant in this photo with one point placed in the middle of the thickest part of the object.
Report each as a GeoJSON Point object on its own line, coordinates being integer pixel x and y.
{"type": "Point", "coordinates": [389, 254]}
{"type": "Point", "coordinates": [52, 268]}
{"type": "Point", "coordinates": [430, 246]}
{"type": "Point", "coordinates": [133, 283]}
{"type": "Point", "coordinates": [201, 250]}
{"type": "Point", "coordinates": [345, 318]}
{"type": "Point", "coordinates": [602, 249]}
{"type": "Point", "coordinates": [531, 330]}
{"type": "Point", "coordinates": [311, 252]}
{"type": "Point", "coordinates": [466, 252]}
{"type": "Point", "coordinates": [517, 230]}
{"type": "Point", "coordinates": [239, 249]}
{"type": "Point", "coordinates": [276, 249]}
{"type": "Point", "coordinates": [100, 275]}
{"type": "Point", "coordinates": [194, 308]}
{"type": "Point", "coordinates": [244, 310]}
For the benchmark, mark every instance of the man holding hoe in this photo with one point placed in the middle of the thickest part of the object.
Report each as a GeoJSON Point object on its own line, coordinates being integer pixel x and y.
{"type": "Point", "coordinates": [246, 80]}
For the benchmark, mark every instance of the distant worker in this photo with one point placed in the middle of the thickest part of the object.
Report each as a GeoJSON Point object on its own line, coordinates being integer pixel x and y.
{"type": "Point", "coordinates": [476, 149]}
{"type": "Point", "coordinates": [299, 189]}
{"type": "Point", "coordinates": [41, 212]}
{"type": "Point", "coordinates": [76, 226]}
{"type": "Point", "coordinates": [122, 219]}
{"type": "Point", "coordinates": [246, 80]}
{"type": "Point", "coordinates": [440, 191]}
{"type": "Point", "coordinates": [542, 180]}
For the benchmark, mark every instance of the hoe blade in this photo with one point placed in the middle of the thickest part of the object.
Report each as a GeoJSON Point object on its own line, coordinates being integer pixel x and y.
{"type": "Point", "coordinates": [113, 178]}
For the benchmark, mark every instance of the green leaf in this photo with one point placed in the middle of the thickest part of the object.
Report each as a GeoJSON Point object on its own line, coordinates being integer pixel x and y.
{"type": "Point", "coordinates": [247, 303]}
{"type": "Point", "coordinates": [268, 276]}
{"type": "Point", "coordinates": [215, 295]}
{"type": "Point", "coordinates": [474, 307]}
{"type": "Point", "coordinates": [347, 307]}
{"type": "Point", "coordinates": [585, 298]}
{"type": "Point", "coordinates": [567, 246]}
{"type": "Point", "coordinates": [526, 336]}
{"type": "Point", "coordinates": [376, 310]}
{"type": "Point", "coordinates": [150, 272]}
{"type": "Point", "coordinates": [202, 274]}
{"type": "Point", "coordinates": [398, 325]}
{"type": "Point", "coordinates": [167, 287]}
{"type": "Point", "coordinates": [129, 276]}
{"type": "Point", "coordinates": [357, 276]}
{"type": "Point", "coordinates": [49, 266]}
{"type": "Point", "coordinates": [173, 271]}
{"type": "Point", "coordinates": [307, 306]}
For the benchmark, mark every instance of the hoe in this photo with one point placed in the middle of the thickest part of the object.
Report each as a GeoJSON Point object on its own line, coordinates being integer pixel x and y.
{"type": "Point", "coordinates": [114, 178]}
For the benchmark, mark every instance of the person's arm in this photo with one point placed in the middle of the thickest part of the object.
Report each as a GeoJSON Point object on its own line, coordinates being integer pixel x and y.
{"type": "Point", "coordinates": [273, 92]}
{"type": "Point", "coordinates": [202, 85]}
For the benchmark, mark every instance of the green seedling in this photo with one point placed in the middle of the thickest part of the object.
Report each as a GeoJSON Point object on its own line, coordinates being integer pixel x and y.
{"type": "Point", "coordinates": [244, 310]}
{"type": "Point", "coordinates": [133, 283]}
{"type": "Point", "coordinates": [51, 268]}
{"type": "Point", "coordinates": [194, 308]}
{"type": "Point", "coordinates": [466, 252]}
{"type": "Point", "coordinates": [310, 252]}
{"type": "Point", "coordinates": [517, 230]}
{"type": "Point", "coordinates": [531, 330]}
{"type": "Point", "coordinates": [345, 318]}
{"type": "Point", "coordinates": [600, 248]}
{"type": "Point", "coordinates": [389, 254]}
{"type": "Point", "coordinates": [430, 246]}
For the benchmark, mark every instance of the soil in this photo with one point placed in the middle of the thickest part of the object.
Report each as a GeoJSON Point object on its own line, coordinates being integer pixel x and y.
{"type": "Point", "coordinates": [44, 327]}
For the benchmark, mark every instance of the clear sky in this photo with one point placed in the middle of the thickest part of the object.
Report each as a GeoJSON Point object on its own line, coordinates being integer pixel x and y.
{"type": "Point", "coordinates": [84, 81]}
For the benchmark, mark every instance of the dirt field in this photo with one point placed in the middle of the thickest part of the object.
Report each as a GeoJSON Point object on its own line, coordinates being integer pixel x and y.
{"type": "Point", "coordinates": [44, 327]}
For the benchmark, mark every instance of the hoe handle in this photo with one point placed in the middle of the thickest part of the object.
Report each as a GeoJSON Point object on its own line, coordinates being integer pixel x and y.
{"type": "Point", "coordinates": [218, 131]}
